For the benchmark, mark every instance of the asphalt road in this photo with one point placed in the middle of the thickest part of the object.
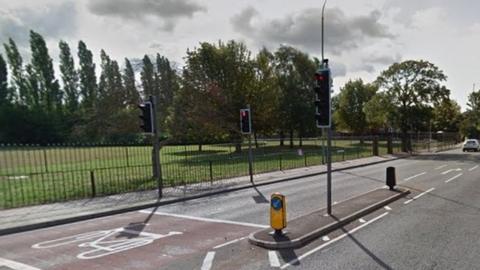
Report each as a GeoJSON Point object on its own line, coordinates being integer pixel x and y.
{"type": "Point", "coordinates": [436, 227]}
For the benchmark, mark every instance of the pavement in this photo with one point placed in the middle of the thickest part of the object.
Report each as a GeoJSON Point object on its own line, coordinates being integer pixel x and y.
{"type": "Point", "coordinates": [41, 216]}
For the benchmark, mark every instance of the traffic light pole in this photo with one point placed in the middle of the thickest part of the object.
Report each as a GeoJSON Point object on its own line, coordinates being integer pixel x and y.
{"type": "Point", "coordinates": [157, 169]}
{"type": "Point", "coordinates": [329, 129]}
{"type": "Point", "coordinates": [250, 154]}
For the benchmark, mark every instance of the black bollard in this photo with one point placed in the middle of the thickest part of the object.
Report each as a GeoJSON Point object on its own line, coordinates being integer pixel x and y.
{"type": "Point", "coordinates": [391, 178]}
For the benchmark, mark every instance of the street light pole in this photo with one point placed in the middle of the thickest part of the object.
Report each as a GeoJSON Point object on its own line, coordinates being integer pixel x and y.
{"type": "Point", "coordinates": [329, 129]}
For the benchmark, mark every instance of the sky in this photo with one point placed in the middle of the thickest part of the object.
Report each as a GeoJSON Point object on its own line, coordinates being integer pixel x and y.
{"type": "Point", "coordinates": [362, 38]}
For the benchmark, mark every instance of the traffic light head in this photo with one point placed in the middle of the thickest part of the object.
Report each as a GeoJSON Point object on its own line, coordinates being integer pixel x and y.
{"type": "Point", "coordinates": [146, 116]}
{"type": "Point", "coordinates": [245, 122]}
{"type": "Point", "coordinates": [322, 98]}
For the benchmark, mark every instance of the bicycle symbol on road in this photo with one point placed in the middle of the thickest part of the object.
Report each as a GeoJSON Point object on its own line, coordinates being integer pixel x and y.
{"type": "Point", "coordinates": [106, 242]}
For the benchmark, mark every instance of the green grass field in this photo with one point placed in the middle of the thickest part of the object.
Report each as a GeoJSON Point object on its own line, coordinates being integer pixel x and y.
{"type": "Point", "coordinates": [37, 175]}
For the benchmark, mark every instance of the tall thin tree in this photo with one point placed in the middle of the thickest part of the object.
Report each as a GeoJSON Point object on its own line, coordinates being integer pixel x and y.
{"type": "Point", "coordinates": [87, 76]}
{"type": "Point", "coordinates": [69, 77]}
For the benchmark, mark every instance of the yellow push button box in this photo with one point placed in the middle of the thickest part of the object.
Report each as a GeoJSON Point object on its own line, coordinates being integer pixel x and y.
{"type": "Point", "coordinates": [278, 212]}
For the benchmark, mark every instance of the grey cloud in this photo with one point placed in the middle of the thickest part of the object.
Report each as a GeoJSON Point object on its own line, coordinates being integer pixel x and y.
{"type": "Point", "coordinates": [242, 21]}
{"type": "Point", "coordinates": [304, 29]}
{"type": "Point", "coordinates": [52, 21]}
{"type": "Point", "coordinates": [338, 69]}
{"type": "Point", "coordinates": [166, 10]}
{"type": "Point", "coordinates": [383, 59]}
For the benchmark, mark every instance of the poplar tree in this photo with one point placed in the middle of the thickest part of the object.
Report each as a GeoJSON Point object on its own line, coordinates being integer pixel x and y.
{"type": "Point", "coordinates": [15, 61]}
{"type": "Point", "coordinates": [131, 94]}
{"type": "Point", "coordinates": [87, 76]}
{"type": "Point", "coordinates": [5, 94]}
{"type": "Point", "coordinates": [69, 77]}
{"type": "Point", "coordinates": [42, 64]}
{"type": "Point", "coordinates": [148, 77]}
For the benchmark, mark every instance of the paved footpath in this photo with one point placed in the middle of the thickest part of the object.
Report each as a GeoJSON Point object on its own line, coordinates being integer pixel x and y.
{"type": "Point", "coordinates": [27, 216]}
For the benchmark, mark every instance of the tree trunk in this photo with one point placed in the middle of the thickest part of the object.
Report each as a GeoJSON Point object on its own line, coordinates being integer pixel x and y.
{"type": "Point", "coordinates": [282, 138]}
{"type": "Point", "coordinates": [200, 148]}
{"type": "Point", "coordinates": [255, 139]}
{"type": "Point", "coordinates": [238, 147]}
{"type": "Point", "coordinates": [291, 138]}
{"type": "Point", "coordinates": [300, 141]}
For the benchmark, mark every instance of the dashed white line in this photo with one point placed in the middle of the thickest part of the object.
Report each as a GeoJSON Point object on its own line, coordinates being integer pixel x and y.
{"type": "Point", "coordinates": [229, 242]}
{"type": "Point", "coordinates": [362, 220]}
{"type": "Point", "coordinates": [303, 256]}
{"type": "Point", "coordinates": [440, 167]}
{"type": "Point", "coordinates": [416, 175]}
{"type": "Point", "coordinates": [326, 238]}
{"type": "Point", "coordinates": [419, 195]}
{"type": "Point", "coordinates": [453, 178]}
{"type": "Point", "coordinates": [451, 170]}
{"type": "Point", "coordinates": [388, 208]}
{"type": "Point", "coordinates": [207, 219]}
{"type": "Point", "coordinates": [208, 261]}
{"type": "Point", "coordinates": [15, 265]}
{"type": "Point", "coordinates": [273, 258]}
{"type": "Point", "coordinates": [473, 168]}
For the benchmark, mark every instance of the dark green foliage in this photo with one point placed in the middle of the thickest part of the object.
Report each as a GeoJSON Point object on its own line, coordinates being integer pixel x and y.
{"type": "Point", "coordinates": [69, 78]}
{"type": "Point", "coordinates": [50, 94]}
{"type": "Point", "coordinates": [15, 62]}
{"type": "Point", "coordinates": [5, 94]}
{"type": "Point", "coordinates": [88, 78]}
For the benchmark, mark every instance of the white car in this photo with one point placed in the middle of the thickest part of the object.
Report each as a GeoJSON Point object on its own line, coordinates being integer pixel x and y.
{"type": "Point", "coordinates": [471, 145]}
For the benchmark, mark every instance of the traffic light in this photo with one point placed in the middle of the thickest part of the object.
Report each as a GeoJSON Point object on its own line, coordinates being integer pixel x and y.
{"type": "Point", "coordinates": [322, 98]}
{"type": "Point", "coordinates": [147, 117]}
{"type": "Point", "coordinates": [245, 121]}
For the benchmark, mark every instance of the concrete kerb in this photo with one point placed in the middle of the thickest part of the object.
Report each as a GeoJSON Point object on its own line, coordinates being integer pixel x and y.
{"type": "Point", "coordinates": [310, 236]}
{"type": "Point", "coordinates": [51, 223]}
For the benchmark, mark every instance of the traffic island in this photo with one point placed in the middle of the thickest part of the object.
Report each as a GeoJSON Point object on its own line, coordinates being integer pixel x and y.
{"type": "Point", "coordinates": [304, 229]}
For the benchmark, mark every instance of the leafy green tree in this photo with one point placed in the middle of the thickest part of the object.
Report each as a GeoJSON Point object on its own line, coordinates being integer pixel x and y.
{"type": "Point", "coordinates": [447, 116]}
{"type": "Point", "coordinates": [294, 71]}
{"type": "Point", "coordinates": [409, 85]}
{"type": "Point", "coordinates": [5, 93]}
{"type": "Point", "coordinates": [69, 77]}
{"type": "Point", "coordinates": [42, 64]}
{"type": "Point", "coordinates": [470, 124]}
{"type": "Point", "coordinates": [380, 112]}
{"type": "Point", "coordinates": [350, 113]}
{"type": "Point", "coordinates": [15, 61]}
{"type": "Point", "coordinates": [87, 76]}
{"type": "Point", "coordinates": [216, 80]}
{"type": "Point", "coordinates": [264, 96]}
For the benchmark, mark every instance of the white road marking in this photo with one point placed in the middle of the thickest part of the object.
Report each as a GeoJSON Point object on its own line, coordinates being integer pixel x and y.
{"type": "Point", "coordinates": [419, 195]}
{"type": "Point", "coordinates": [207, 219]}
{"type": "Point", "coordinates": [326, 238]}
{"type": "Point", "coordinates": [440, 167]}
{"type": "Point", "coordinates": [387, 208]}
{"type": "Point", "coordinates": [229, 242]}
{"type": "Point", "coordinates": [335, 203]}
{"type": "Point", "coordinates": [208, 261]}
{"type": "Point", "coordinates": [473, 168]}
{"type": "Point", "coordinates": [15, 265]}
{"type": "Point", "coordinates": [273, 258]}
{"type": "Point", "coordinates": [306, 254]}
{"type": "Point", "coordinates": [451, 170]}
{"type": "Point", "coordinates": [455, 177]}
{"type": "Point", "coordinates": [362, 220]}
{"type": "Point", "coordinates": [416, 175]}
